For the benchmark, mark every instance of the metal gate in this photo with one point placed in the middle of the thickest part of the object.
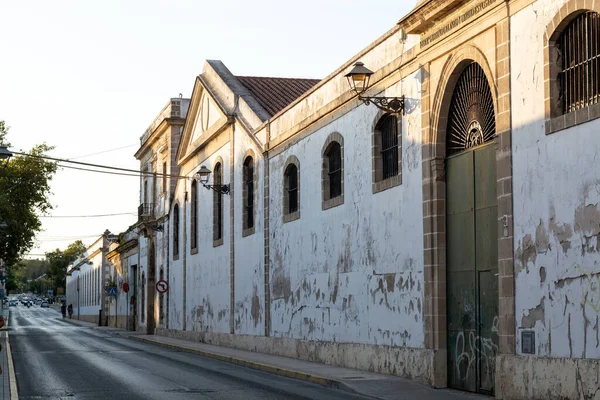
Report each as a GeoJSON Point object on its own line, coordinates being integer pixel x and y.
{"type": "Point", "coordinates": [472, 236]}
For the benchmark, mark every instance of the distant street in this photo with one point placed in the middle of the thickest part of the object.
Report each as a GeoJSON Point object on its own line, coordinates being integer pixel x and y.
{"type": "Point", "coordinates": [54, 359]}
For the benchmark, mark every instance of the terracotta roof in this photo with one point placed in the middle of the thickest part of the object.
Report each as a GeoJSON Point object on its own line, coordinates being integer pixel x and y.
{"type": "Point", "coordinates": [274, 94]}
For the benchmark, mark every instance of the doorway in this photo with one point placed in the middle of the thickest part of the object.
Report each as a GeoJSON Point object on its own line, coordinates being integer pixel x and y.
{"type": "Point", "coordinates": [472, 235]}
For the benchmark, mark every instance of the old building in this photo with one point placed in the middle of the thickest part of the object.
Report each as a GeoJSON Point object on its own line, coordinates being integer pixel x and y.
{"type": "Point", "coordinates": [454, 243]}
{"type": "Point", "coordinates": [123, 258]}
{"type": "Point", "coordinates": [159, 172]}
{"type": "Point", "coordinates": [87, 278]}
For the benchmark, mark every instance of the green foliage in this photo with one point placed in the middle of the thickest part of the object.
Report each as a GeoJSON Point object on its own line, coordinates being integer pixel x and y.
{"type": "Point", "coordinates": [24, 192]}
{"type": "Point", "coordinates": [59, 260]}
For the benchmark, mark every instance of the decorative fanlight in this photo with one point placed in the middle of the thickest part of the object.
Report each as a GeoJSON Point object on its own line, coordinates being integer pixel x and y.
{"type": "Point", "coordinates": [471, 119]}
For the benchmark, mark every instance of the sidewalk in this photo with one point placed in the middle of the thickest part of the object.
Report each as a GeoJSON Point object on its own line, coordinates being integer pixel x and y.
{"type": "Point", "coordinates": [8, 387]}
{"type": "Point", "coordinates": [377, 386]}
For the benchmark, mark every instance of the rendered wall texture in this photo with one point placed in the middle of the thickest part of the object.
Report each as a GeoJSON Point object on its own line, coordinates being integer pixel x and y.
{"type": "Point", "coordinates": [557, 207]}
{"type": "Point", "coordinates": [352, 273]}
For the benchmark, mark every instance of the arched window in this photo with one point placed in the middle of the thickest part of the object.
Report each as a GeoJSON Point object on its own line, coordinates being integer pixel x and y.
{"type": "Point", "coordinates": [194, 221]}
{"type": "Point", "coordinates": [291, 190]}
{"type": "Point", "coordinates": [332, 174]}
{"type": "Point", "coordinates": [387, 153]}
{"type": "Point", "coordinates": [217, 206]}
{"type": "Point", "coordinates": [248, 196]}
{"type": "Point", "coordinates": [176, 231]}
{"type": "Point", "coordinates": [579, 47]}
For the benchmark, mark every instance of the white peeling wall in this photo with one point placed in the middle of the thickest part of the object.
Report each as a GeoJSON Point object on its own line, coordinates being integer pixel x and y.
{"type": "Point", "coordinates": [175, 277]}
{"type": "Point", "coordinates": [208, 292]}
{"type": "Point", "coordinates": [556, 207]}
{"type": "Point", "coordinates": [353, 273]}
{"type": "Point", "coordinates": [249, 317]}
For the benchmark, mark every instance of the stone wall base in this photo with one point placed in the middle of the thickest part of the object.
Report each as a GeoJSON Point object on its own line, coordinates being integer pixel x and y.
{"type": "Point", "coordinates": [87, 318]}
{"type": "Point", "coordinates": [421, 365]}
{"type": "Point", "coordinates": [530, 377]}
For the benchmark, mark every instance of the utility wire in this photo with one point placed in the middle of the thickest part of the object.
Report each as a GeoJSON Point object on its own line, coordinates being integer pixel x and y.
{"type": "Point", "coordinates": [98, 171]}
{"type": "Point", "coordinates": [85, 216]}
{"type": "Point", "coordinates": [105, 151]}
{"type": "Point", "coordinates": [100, 166]}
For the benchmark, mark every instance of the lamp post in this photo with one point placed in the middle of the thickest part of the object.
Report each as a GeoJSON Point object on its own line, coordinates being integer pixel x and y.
{"type": "Point", "coordinates": [204, 175]}
{"type": "Point", "coordinates": [359, 78]}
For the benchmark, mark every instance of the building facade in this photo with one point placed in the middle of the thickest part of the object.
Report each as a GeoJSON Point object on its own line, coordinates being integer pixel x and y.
{"type": "Point", "coordinates": [87, 278]}
{"type": "Point", "coordinates": [454, 243]}
{"type": "Point", "coordinates": [159, 174]}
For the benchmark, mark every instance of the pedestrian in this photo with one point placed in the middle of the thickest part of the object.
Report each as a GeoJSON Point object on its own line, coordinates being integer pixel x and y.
{"type": "Point", "coordinates": [70, 310]}
{"type": "Point", "coordinates": [63, 310]}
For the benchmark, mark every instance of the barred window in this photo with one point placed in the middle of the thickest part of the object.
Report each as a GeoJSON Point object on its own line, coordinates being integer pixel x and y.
{"type": "Point", "coordinates": [291, 178]}
{"type": "Point", "coordinates": [248, 193]}
{"type": "Point", "coordinates": [579, 47]}
{"type": "Point", "coordinates": [194, 221]}
{"type": "Point", "coordinates": [176, 231]}
{"type": "Point", "coordinates": [334, 158]}
{"type": "Point", "coordinates": [388, 129]}
{"type": "Point", "coordinates": [217, 203]}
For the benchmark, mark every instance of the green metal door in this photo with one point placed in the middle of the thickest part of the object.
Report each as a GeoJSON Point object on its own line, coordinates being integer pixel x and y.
{"type": "Point", "coordinates": [472, 254]}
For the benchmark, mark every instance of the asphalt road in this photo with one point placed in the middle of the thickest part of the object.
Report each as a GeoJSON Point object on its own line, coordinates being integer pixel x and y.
{"type": "Point", "coordinates": [55, 360]}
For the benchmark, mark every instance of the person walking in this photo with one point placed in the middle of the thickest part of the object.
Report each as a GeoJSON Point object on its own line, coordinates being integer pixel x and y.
{"type": "Point", "coordinates": [63, 310]}
{"type": "Point", "coordinates": [70, 311]}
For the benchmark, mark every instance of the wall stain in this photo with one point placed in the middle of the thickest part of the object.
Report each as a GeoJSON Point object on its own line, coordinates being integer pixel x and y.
{"type": "Point", "coordinates": [281, 286]}
{"type": "Point", "coordinates": [255, 310]}
{"type": "Point", "coordinates": [535, 314]}
{"type": "Point", "coordinates": [542, 274]}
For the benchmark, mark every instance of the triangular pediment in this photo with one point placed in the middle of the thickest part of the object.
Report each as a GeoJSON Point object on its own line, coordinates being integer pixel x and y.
{"type": "Point", "coordinates": [206, 118]}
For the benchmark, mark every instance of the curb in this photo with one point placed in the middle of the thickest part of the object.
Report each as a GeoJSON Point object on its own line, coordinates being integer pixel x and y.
{"type": "Point", "coordinates": [290, 373]}
{"type": "Point", "coordinates": [14, 393]}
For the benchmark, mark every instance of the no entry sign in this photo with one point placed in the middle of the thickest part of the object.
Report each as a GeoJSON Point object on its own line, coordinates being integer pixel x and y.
{"type": "Point", "coordinates": [162, 286]}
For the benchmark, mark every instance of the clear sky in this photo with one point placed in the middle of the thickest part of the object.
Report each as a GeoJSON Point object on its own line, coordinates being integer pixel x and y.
{"type": "Point", "coordinates": [90, 76]}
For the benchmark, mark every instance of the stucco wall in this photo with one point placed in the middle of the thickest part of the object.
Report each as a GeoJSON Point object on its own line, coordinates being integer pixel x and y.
{"type": "Point", "coordinates": [249, 315]}
{"type": "Point", "coordinates": [208, 292]}
{"type": "Point", "coordinates": [556, 207]}
{"type": "Point", "coordinates": [352, 273]}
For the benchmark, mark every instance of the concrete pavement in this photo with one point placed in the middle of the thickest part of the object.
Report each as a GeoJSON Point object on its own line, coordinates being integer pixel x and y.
{"type": "Point", "coordinates": [364, 383]}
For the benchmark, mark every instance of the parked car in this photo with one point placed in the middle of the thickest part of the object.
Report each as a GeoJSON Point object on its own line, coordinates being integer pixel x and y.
{"type": "Point", "coordinates": [12, 303]}
{"type": "Point", "coordinates": [44, 304]}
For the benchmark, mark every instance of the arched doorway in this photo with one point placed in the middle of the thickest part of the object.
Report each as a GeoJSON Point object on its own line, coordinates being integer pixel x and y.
{"type": "Point", "coordinates": [471, 234]}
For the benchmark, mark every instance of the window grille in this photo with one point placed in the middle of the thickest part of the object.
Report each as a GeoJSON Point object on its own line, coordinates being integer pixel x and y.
{"type": "Point", "coordinates": [389, 146]}
{"type": "Point", "coordinates": [335, 170]}
{"type": "Point", "coordinates": [579, 45]}
{"type": "Point", "coordinates": [218, 203]}
{"type": "Point", "coordinates": [292, 188]}
{"type": "Point", "coordinates": [249, 186]}
{"type": "Point", "coordinates": [194, 222]}
{"type": "Point", "coordinates": [176, 230]}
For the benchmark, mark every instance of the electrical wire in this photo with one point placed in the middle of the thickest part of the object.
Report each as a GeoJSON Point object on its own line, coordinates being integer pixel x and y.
{"type": "Point", "coordinates": [100, 172]}
{"type": "Point", "coordinates": [103, 152]}
{"type": "Point", "coordinates": [86, 216]}
{"type": "Point", "coordinates": [62, 160]}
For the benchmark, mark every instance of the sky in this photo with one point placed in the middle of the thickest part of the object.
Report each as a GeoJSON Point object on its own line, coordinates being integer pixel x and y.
{"type": "Point", "coordinates": [89, 77]}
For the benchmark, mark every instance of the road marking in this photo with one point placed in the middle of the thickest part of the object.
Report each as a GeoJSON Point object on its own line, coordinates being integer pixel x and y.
{"type": "Point", "coordinates": [14, 394]}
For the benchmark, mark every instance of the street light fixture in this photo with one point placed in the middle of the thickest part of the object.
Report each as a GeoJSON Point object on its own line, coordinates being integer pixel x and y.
{"type": "Point", "coordinates": [3, 224]}
{"type": "Point", "coordinates": [359, 78]}
{"type": "Point", "coordinates": [203, 177]}
{"type": "Point", "coordinates": [5, 155]}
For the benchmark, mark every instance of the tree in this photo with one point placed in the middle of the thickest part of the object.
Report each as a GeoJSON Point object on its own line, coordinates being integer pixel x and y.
{"type": "Point", "coordinates": [59, 260]}
{"type": "Point", "coordinates": [24, 196]}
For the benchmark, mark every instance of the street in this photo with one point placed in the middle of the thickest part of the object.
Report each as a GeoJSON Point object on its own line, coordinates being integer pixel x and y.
{"type": "Point", "coordinates": [55, 359]}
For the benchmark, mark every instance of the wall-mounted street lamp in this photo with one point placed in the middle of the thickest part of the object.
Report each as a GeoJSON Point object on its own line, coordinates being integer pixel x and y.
{"type": "Point", "coordinates": [5, 155]}
{"type": "Point", "coordinates": [203, 177]}
{"type": "Point", "coordinates": [359, 78]}
{"type": "Point", "coordinates": [3, 224]}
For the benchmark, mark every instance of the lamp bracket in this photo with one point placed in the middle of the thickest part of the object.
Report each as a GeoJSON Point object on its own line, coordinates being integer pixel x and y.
{"type": "Point", "coordinates": [394, 105]}
{"type": "Point", "coordinates": [223, 189]}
